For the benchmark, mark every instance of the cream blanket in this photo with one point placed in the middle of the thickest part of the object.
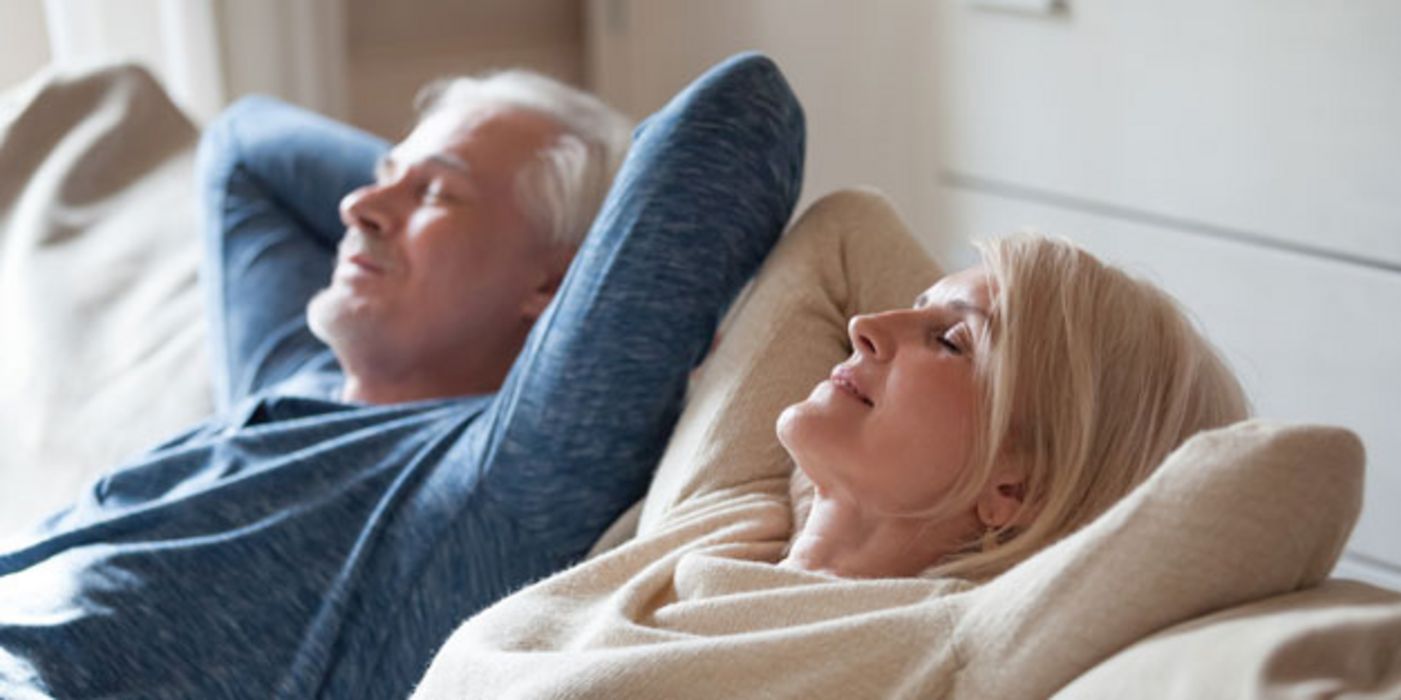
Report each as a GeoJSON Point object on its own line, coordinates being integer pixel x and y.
{"type": "Point", "coordinates": [696, 608]}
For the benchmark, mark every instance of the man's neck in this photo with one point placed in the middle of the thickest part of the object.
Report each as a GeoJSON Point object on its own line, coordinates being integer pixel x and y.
{"type": "Point", "coordinates": [389, 388]}
{"type": "Point", "coordinates": [355, 391]}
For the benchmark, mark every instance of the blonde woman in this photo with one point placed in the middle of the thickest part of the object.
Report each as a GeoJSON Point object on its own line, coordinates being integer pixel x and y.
{"type": "Point", "coordinates": [996, 423]}
{"type": "Point", "coordinates": [947, 440]}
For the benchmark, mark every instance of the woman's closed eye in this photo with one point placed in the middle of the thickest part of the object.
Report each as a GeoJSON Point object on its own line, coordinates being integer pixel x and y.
{"type": "Point", "coordinates": [951, 339]}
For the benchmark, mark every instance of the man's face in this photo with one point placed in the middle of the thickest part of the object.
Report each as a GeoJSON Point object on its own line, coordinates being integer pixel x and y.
{"type": "Point", "coordinates": [439, 270]}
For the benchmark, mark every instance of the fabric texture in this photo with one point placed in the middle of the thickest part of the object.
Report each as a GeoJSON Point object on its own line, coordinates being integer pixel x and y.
{"type": "Point", "coordinates": [695, 607]}
{"type": "Point", "coordinates": [296, 546]}
{"type": "Point", "coordinates": [1340, 639]}
{"type": "Point", "coordinates": [103, 353]}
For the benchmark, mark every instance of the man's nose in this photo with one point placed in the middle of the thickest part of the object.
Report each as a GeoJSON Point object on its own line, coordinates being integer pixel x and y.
{"type": "Point", "coordinates": [369, 210]}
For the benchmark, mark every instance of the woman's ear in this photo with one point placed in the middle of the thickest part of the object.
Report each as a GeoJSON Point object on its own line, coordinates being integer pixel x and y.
{"type": "Point", "coordinates": [1001, 501]}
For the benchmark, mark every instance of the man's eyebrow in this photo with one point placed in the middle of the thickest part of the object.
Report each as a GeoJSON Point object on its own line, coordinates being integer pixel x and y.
{"type": "Point", "coordinates": [384, 165]}
{"type": "Point", "coordinates": [451, 162]}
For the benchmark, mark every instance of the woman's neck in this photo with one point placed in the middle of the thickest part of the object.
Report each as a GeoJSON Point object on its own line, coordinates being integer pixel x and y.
{"type": "Point", "coordinates": [841, 539]}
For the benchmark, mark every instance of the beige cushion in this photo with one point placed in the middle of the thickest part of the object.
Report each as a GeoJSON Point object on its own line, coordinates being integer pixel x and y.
{"type": "Point", "coordinates": [103, 351]}
{"type": "Point", "coordinates": [1235, 515]}
{"type": "Point", "coordinates": [1341, 639]}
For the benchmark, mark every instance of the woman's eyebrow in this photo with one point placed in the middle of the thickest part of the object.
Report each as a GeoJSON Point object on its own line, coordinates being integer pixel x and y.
{"type": "Point", "coordinates": [968, 309]}
{"type": "Point", "coordinates": [962, 307]}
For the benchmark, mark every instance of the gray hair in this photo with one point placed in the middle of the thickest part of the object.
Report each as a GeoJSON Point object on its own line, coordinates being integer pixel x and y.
{"type": "Point", "coordinates": [561, 191]}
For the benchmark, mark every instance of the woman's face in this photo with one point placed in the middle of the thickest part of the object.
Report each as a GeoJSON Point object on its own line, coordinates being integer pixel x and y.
{"type": "Point", "coordinates": [893, 426]}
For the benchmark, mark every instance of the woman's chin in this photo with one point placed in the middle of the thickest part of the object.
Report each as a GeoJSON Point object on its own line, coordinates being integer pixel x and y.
{"type": "Point", "coordinates": [785, 427]}
{"type": "Point", "coordinates": [801, 428]}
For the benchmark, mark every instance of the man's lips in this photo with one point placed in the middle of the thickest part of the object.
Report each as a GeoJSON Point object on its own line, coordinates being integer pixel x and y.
{"type": "Point", "coordinates": [845, 380]}
{"type": "Point", "coordinates": [366, 263]}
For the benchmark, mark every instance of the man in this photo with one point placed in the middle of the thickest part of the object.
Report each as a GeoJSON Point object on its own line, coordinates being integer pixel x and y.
{"type": "Point", "coordinates": [448, 256]}
{"type": "Point", "coordinates": [353, 501]}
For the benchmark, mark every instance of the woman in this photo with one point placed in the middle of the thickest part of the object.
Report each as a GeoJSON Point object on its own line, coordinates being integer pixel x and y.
{"type": "Point", "coordinates": [950, 441]}
{"type": "Point", "coordinates": [992, 448]}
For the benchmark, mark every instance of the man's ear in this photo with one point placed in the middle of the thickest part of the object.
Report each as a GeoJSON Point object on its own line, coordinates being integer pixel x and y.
{"type": "Point", "coordinates": [1002, 500]}
{"type": "Point", "coordinates": [539, 298]}
{"type": "Point", "coordinates": [548, 283]}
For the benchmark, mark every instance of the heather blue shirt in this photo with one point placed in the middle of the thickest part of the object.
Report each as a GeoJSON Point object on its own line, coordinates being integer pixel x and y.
{"type": "Point", "coordinates": [298, 546]}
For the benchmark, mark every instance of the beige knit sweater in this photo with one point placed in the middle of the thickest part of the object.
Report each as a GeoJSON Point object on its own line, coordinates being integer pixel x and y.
{"type": "Point", "coordinates": [695, 607]}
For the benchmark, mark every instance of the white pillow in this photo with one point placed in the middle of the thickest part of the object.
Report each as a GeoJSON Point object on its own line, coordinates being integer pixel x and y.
{"type": "Point", "coordinates": [103, 351]}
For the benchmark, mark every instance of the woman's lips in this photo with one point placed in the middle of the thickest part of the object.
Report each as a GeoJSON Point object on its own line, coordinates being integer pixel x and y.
{"type": "Point", "coordinates": [845, 380]}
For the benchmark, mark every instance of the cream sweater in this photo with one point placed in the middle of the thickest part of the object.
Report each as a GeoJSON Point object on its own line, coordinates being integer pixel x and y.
{"type": "Point", "coordinates": [695, 607]}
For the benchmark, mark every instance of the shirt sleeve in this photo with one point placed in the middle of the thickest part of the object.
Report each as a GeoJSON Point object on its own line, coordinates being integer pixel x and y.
{"type": "Point", "coordinates": [582, 419]}
{"type": "Point", "coordinates": [271, 179]}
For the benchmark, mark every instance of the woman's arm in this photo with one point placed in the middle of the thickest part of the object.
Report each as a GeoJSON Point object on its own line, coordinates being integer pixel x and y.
{"type": "Point", "coordinates": [848, 254]}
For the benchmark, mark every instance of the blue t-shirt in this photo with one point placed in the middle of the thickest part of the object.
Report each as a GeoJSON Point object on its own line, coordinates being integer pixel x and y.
{"type": "Point", "coordinates": [295, 547]}
{"type": "Point", "coordinates": [298, 546]}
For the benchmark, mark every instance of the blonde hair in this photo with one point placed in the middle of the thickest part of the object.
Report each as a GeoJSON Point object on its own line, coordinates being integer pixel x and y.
{"type": "Point", "coordinates": [1089, 378]}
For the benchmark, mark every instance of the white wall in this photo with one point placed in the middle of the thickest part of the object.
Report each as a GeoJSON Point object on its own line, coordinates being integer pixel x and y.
{"type": "Point", "coordinates": [357, 60]}
{"type": "Point", "coordinates": [394, 48]}
{"type": "Point", "coordinates": [861, 70]}
{"type": "Point", "coordinates": [293, 49]}
{"type": "Point", "coordinates": [209, 52]}
{"type": "Point", "coordinates": [26, 45]}
{"type": "Point", "coordinates": [1274, 118]}
{"type": "Point", "coordinates": [92, 32]}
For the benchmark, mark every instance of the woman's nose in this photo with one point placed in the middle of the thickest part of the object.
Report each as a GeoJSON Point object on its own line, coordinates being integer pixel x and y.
{"type": "Point", "coordinates": [367, 210]}
{"type": "Point", "coordinates": [870, 336]}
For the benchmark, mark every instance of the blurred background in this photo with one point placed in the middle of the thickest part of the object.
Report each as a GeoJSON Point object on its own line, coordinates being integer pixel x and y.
{"type": "Point", "coordinates": [1244, 154]}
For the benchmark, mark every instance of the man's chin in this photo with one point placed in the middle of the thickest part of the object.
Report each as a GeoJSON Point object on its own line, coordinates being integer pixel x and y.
{"type": "Point", "coordinates": [337, 317]}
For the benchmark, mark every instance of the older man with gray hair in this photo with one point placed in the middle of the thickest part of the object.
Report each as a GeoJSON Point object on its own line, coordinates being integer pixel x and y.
{"type": "Point", "coordinates": [447, 256]}
{"type": "Point", "coordinates": [422, 403]}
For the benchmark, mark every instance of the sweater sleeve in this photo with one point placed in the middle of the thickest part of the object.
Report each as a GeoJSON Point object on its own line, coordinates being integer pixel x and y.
{"type": "Point", "coordinates": [848, 254]}
{"type": "Point", "coordinates": [582, 418]}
